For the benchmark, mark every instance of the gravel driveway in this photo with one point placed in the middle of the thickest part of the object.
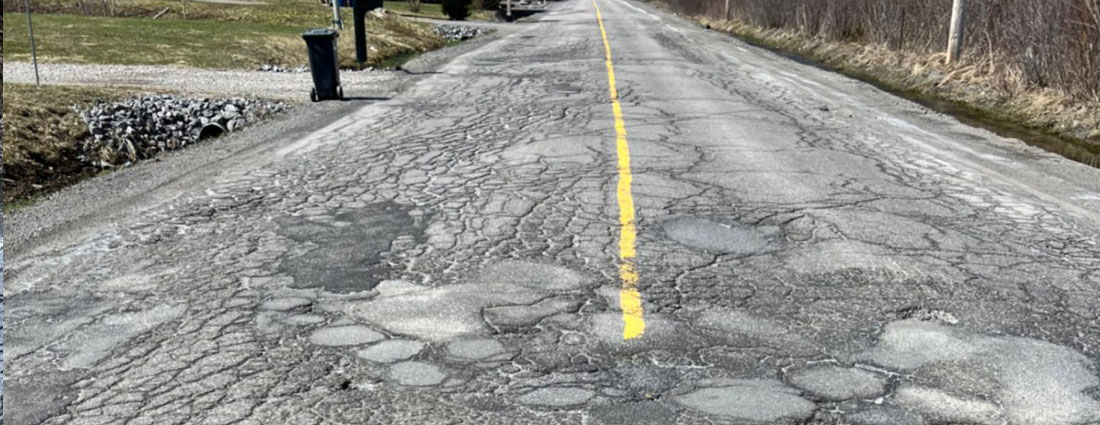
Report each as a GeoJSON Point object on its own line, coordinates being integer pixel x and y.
{"type": "Point", "coordinates": [276, 85]}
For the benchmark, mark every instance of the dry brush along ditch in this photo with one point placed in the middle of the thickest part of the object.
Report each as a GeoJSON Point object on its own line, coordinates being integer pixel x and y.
{"type": "Point", "coordinates": [1029, 70]}
{"type": "Point", "coordinates": [56, 136]}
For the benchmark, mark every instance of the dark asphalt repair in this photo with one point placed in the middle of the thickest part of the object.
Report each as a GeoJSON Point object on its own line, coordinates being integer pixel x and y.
{"type": "Point", "coordinates": [344, 254]}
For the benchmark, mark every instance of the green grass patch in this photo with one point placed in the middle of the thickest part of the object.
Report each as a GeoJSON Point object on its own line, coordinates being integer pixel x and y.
{"type": "Point", "coordinates": [200, 43]}
{"type": "Point", "coordinates": [427, 10]}
{"type": "Point", "coordinates": [434, 11]}
{"type": "Point", "coordinates": [305, 13]}
{"type": "Point", "coordinates": [128, 41]}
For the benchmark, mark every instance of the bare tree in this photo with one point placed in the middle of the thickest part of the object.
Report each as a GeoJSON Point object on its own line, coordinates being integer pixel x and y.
{"type": "Point", "coordinates": [1048, 43]}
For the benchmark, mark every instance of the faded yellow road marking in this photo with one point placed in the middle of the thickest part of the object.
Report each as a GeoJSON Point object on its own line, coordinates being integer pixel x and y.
{"type": "Point", "coordinates": [630, 300]}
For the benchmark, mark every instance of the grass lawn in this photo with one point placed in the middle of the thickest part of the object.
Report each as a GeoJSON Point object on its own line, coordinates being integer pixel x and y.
{"type": "Point", "coordinates": [42, 137]}
{"type": "Point", "coordinates": [200, 43]}
{"type": "Point", "coordinates": [433, 11]}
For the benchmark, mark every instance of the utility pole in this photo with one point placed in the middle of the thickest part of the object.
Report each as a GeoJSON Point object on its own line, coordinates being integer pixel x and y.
{"type": "Point", "coordinates": [34, 52]}
{"type": "Point", "coordinates": [955, 40]}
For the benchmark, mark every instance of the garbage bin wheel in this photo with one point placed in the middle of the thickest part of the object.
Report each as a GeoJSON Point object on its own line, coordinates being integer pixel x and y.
{"type": "Point", "coordinates": [313, 95]}
{"type": "Point", "coordinates": [340, 92]}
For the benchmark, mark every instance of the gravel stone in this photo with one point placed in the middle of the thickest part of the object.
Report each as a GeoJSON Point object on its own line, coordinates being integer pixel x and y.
{"type": "Point", "coordinates": [457, 32]}
{"type": "Point", "coordinates": [143, 127]}
{"type": "Point", "coordinates": [280, 68]}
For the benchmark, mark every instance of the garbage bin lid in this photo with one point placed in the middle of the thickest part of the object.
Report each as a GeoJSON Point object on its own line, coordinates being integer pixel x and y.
{"type": "Point", "coordinates": [320, 33]}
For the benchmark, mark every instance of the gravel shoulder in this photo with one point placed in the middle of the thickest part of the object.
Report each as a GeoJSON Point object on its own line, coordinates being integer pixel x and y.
{"type": "Point", "coordinates": [291, 86]}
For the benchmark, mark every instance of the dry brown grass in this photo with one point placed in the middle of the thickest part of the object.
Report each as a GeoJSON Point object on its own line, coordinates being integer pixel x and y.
{"type": "Point", "coordinates": [390, 37]}
{"type": "Point", "coordinates": [989, 84]}
{"type": "Point", "coordinates": [1047, 43]}
{"type": "Point", "coordinates": [41, 136]}
{"type": "Point", "coordinates": [1025, 61]}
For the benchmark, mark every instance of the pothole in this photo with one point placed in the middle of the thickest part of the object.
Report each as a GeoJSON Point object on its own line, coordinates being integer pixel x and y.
{"type": "Point", "coordinates": [926, 315]}
{"type": "Point", "coordinates": [343, 252]}
{"type": "Point", "coordinates": [725, 238]}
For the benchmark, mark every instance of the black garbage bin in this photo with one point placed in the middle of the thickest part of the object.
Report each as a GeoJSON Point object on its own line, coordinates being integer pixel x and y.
{"type": "Point", "coordinates": [323, 64]}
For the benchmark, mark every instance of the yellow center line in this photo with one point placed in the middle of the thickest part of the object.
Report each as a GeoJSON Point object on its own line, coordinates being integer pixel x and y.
{"type": "Point", "coordinates": [630, 300]}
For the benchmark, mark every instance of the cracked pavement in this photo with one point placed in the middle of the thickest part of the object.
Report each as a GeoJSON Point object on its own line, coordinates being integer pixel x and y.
{"type": "Point", "coordinates": [811, 251]}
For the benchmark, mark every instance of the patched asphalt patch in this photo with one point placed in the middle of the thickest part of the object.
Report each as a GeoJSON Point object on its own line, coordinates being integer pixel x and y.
{"type": "Point", "coordinates": [839, 383]}
{"type": "Point", "coordinates": [755, 400]}
{"type": "Point", "coordinates": [390, 351]}
{"type": "Point", "coordinates": [416, 374]}
{"type": "Point", "coordinates": [343, 253]}
{"type": "Point", "coordinates": [339, 336]}
{"type": "Point", "coordinates": [724, 238]}
{"type": "Point", "coordinates": [475, 349]}
{"type": "Point", "coordinates": [1023, 380]}
{"type": "Point", "coordinates": [557, 397]}
{"type": "Point", "coordinates": [640, 413]}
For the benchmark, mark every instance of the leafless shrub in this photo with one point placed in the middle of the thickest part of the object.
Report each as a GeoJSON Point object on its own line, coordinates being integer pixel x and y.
{"type": "Point", "coordinates": [414, 5]}
{"type": "Point", "coordinates": [1045, 43]}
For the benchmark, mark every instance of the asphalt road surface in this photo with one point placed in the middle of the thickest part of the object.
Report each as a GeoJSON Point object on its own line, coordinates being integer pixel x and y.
{"type": "Point", "coordinates": [732, 237]}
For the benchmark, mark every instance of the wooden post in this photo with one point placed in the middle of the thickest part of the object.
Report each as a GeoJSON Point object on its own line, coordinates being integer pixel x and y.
{"type": "Point", "coordinates": [955, 40]}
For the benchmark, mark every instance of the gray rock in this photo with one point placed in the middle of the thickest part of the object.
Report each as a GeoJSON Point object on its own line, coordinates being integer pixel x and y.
{"type": "Point", "coordinates": [457, 32]}
{"type": "Point", "coordinates": [142, 127]}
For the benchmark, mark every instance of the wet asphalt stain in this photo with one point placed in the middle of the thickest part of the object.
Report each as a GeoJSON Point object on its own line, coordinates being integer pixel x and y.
{"type": "Point", "coordinates": [346, 254]}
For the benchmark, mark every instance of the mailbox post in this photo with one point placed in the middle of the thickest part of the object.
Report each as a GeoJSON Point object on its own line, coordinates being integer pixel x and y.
{"type": "Point", "coordinates": [360, 9]}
